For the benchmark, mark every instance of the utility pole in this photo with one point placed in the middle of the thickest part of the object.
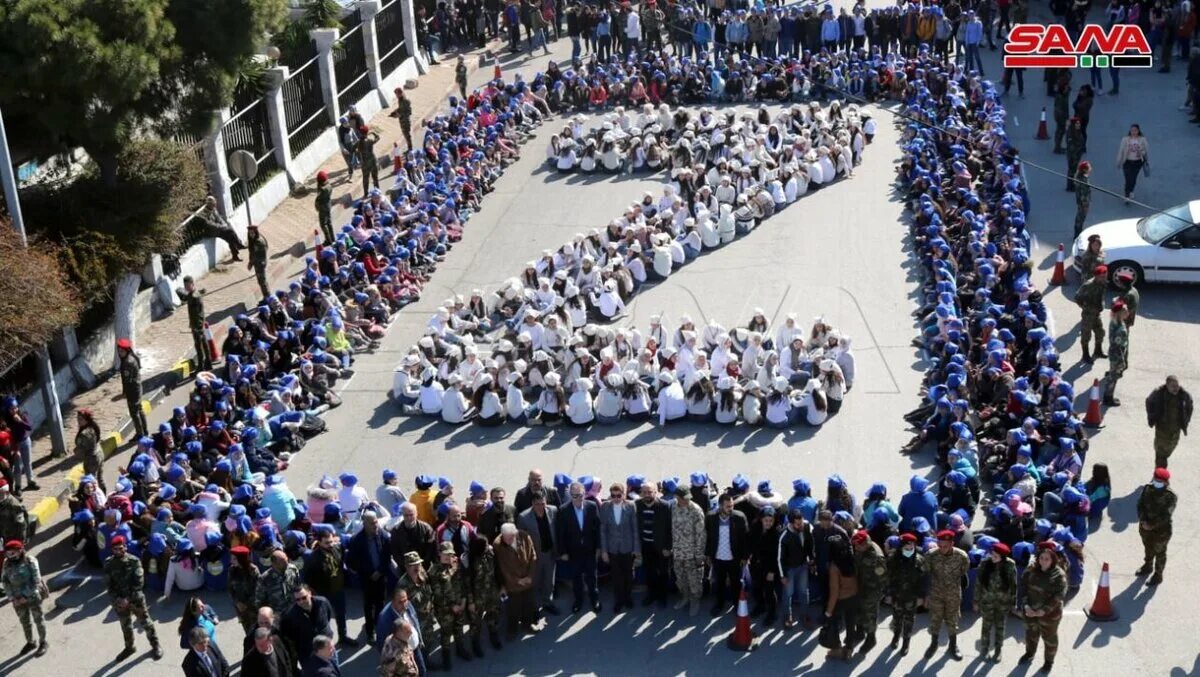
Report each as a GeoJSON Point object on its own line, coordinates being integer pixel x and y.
{"type": "Point", "coordinates": [58, 436]}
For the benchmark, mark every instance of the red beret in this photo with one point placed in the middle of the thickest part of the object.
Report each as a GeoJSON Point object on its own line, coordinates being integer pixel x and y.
{"type": "Point", "coordinates": [1002, 549]}
{"type": "Point", "coordinates": [1162, 474]}
{"type": "Point", "coordinates": [908, 538]}
{"type": "Point", "coordinates": [239, 550]}
{"type": "Point", "coordinates": [14, 544]}
{"type": "Point", "coordinates": [1048, 545]}
{"type": "Point", "coordinates": [859, 536]}
{"type": "Point", "coordinates": [322, 176]}
{"type": "Point", "coordinates": [946, 535]}
{"type": "Point", "coordinates": [118, 540]}
{"type": "Point", "coordinates": [1118, 305]}
{"type": "Point", "coordinates": [1100, 270]}
{"type": "Point", "coordinates": [3, 482]}
{"type": "Point", "coordinates": [125, 344]}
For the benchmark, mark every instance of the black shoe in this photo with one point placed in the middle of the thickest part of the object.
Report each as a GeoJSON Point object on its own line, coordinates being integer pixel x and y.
{"type": "Point", "coordinates": [867, 645]}
{"type": "Point", "coordinates": [996, 654]}
{"type": "Point", "coordinates": [1155, 579]}
{"type": "Point", "coordinates": [156, 652]}
{"type": "Point", "coordinates": [895, 641]}
{"type": "Point", "coordinates": [596, 606]}
{"type": "Point", "coordinates": [1027, 657]}
{"type": "Point", "coordinates": [932, 648]}
{"type": "Point", "coordinates": [29, 646]}
{"type": "Point", "coordinates": [1144, 570]}
{"type": "Point", "coordinates": [904, 647]}
{"type": "Point", "coordinates": [1112, 402]}
{"type": "Point", "coordinates": [1099, 353]}
{"type": "Point", "coordinates": [32, 486]}
{"type": "Point", "coordinates": [952, 651]}
{"type": "Point", "coordinates": [477, 646]}
{"type": "Point", "coordinates": [125, 653]}
{"type": "Point", "coordinates": [551, 610]}
{"type": "Point", "coordinates": [43, 647]}
{"type": "Point", "coordinates": [616, 609]}
{"type": "Point", "coordinates": [1046, 667]}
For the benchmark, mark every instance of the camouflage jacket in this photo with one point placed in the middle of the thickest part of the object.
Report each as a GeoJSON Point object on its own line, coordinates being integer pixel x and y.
{"type": "Point", "coordinates": [421, 597]}
{"type": "Point", "coordinates": [1001, 588]}
{"type": "Point", "coordinates": [946, 572]}
{"type": "Point", "coordinates": [22, 578]}
{"type": "Point", "coordinates": [449, 587]}
{"type": "Point", "coordinates": [1118, 341]}
{"type": "Point", "coordinates": [687, 531]}
{"type": "Point", "coordinates": [872, 571]}
{"type": "Point", "coordinates": [1090, 296]}
{"type": "Point", "coordinates": [131, 374]}
{"type": "Point", "coordinates": [13, 519]}
{"type": "Point", "coordinates": [244, 588]}
{"type": "Point", "coordinates": [485, 590]}
{"type": "Point", "coordinates": [123, 577]}
{"type": "Point", "coordinates": [906, 577]}
{"type": "Point", "coordinates": [275, 588]}
{"type": "Point", "coordinates": [1044, 590]}
{"type": "Point", "coordinates": [1156, 506]}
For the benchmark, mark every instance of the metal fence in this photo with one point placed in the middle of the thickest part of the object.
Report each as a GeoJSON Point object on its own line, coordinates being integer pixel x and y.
{"type": "Point", "coordinates": [389, 31]}
{"type": "Point", "coordinates": [304, 107]}
{"type": "Point", "coordinates": [250, 129]}
{"type": "Point", "coordinates": [350, 69]}
{"type": "Point", "coordinates": [296, 58]}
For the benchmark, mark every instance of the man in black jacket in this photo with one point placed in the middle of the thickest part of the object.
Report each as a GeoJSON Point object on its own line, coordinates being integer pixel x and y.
{"type": "Point", "coordinates": [654, 530]}
{"type": "Point", "coordinates": [579, 541]}
{"type": "Point", "coordinates": [1168, 411]}
{"type": "Point", "coordinates": [726, 547]}
{"type": "Point", "coordinates": [204, 659]}
{"type": "Point", "coordinates": [310, 616]}
{"type": "Point", "coordinates": [498, 514]}
{"type": "Point", "coordinates": [524, 497]}
{"type": "Point", "coordinates": [796, 558]}
{"type": "Point", "coordinates": [267, 656]}
{"type": "Point", "coordinates": [325, 570]}
{"type": "Point", "coordinates": [369, 557]}
{"type": "Point", "coordinates": [411, 535]}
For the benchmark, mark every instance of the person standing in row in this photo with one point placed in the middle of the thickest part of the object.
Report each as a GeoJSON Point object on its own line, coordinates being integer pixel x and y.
{"type": "Point", "coordinates": [995, 595]}
{"type": "Point", "coordinates": [907, 584]}
{"type": "Point", "coordinates": [20, 429]}
{"type": "Point", "coordinates": [1168, 411]}
{"type": "Point", "coordinates": [1045, 587]}
{"type": "Point", "coordinates": [620, 545]}
{"type": "Point", "coordinates": [257, 245]}
{"type": "Point", "coordinates": [194, 299]}
{"type": "Point", "coordinates": [1083, 195]}
{"type": "Point", "coordinates": [368, 158]}
{"type": "Point", "coordinates": [947, 566]}
{"type": "Point", "coordinates": [540, 521]}
{"type": "Point", "coordinates": [1090, 299]}
{"type": "Point", "coordinates": [687, 550]}
{"type": "Point", "coordinates": [1155, 507]}
{"type": "Point", "coordinates": [449, 586]}
{"type": "Point", "coordinates": [1118, 352]}
{"type": "Point", "coordinates": [654, 531]}
{"type": "Point", "coordinates": [578, 539]}
{"type": "Point", "coordinates": [130, 365]}
{"type": "Point", "coordinates": [727, 547]}
{"type": "Point", "coordinates": [324, 206]}
{"type": "Point", "coordinates": [87, 446]}
{"type": "Point", "coordinates": [21, 579]}
{"type": "Point", "coordinates": [404, 116]}
{"type": "Point", "coordinates": [126, 583]}
{"type": "Point", "coordinates": [871, 566]}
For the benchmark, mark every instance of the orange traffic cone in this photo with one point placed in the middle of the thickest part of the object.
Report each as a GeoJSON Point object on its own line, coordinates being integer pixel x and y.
{"type": "Point", "coordinates": [318, 241]}
{"type": "Point", "coordinates": [1093, 417]}
{"type": "Point", "coordinates": [1102, 609]}
{"type": "Point", "coordinates": [1059, 276]}
{"type": "Point", "coordinates": [742, 639]}
{"type": "Point", "coordinates": [497, 74]}
{"type": "Point", "coordinates": [213, 350]}
{"type": "Point", "coordinates": [1042, 132]}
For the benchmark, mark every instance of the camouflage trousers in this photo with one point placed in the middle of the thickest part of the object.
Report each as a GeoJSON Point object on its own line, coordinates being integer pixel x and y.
{"type": "Point", "coordinates": [1165, 441]}
{"type": "Point", "coordinates": [30, 615]}
{"type": "Point", "coordinates": [1154, 545]}
{"type": "Point", "coordinates": [689, 577]}
{"type": "Point", "coordinates": [868, 612]}
{"type": "Point", "coordinates": [1089, 324]}
{"type": "Point", "coordinates": [1047, 629]}
{"type": "Point", "coordinates": [137, 608]}
{"type": "Point", "coordinates": [944, 609]}
{"type": "Point", "coordinates": [904, 614]}
{"type": "Point", "coordinates": [487, 613]}
{"type": "Point", "coordinates": [993, 618]}
{"type": "Point", "coordinates": [450, 625]}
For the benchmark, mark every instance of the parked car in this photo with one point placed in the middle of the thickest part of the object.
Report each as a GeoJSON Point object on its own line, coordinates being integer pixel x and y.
{"type": "Point", "coordinates": [1161, 247]}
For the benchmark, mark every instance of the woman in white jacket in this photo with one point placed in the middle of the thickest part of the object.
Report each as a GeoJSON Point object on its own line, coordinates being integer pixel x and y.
{"type": "Point", "coordinates": [833, 383]}
{"type": "Point", "coordinates": [581, 409]}
{"type": "Point", "coordinates": [455, 407]}
{"type": "Point", "coordinates": [779, 404]}
{"type": "Point", "coordinates": [635, 398]}
{"type": "Point", "coordinates": [700, 394]}
{"type": "Point", "coordinates": [487, 402]}
{"type": "Point", "coordinates": [769, 370]}
{"type": "Point", "coordinates": [517, 409]}
{"type": "Point", "coordinates": [551, 403]}
{"type": "Point", "coordinates": [431, 394]}
{"type": "Point", "coordinates": [406, 387]}
{"type": "Point", "coordinates": [727, 403]}
{"type": "Point", "coordinates": [814, 403]}
{"type": "Point", "coordinates": [608, 401]}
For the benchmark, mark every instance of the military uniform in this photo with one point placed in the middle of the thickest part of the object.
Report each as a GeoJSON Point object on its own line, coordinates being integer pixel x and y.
{"type": "Point", "coordinates": [995, 598]}
{"type": "Point", "coordinates": [872, 583]}
{"type": "Point", "coordinates": [324, 205]}
{"type": "Point", "coordinates": [1075, 144]}
{"type": "Point", "coordinates": [1062, 103]}
{"type": "Point", "coordinates": [460, 78]}
{"type": "Point", "coordinates": [258, 261]}
{"type": "Point", "coordinates": [368, 160]}
{"type": "Point", "coordinates": [404, 114]}
{"type": "Point", "coordinates": [22, 579]}
{"type": "Point", "coordinates": [275, 588]}
{"type": "Point", "coordinates": [687, 549]}
{"type": "Point", "coordinates": [14, 519]}
{"type": "Point", "coordinates": [420, 595]}
{"type": "Point", "coordinates": [243, 590]}
{"type": "Point", "coordinates": [131, 388]}
{"type": "Point", "coordinates": [196, 317]}
{"type": "Point", "coordinates": [946, 572]}
{"type": "Point", "coordinates": [485, 594]}
{"type": "Point", "coordinates": [124, 579]}
{"type": "Point", "coordinates": [1118, 356]}
{"type": "Point", "coordinates": [1154, 508]}
{"type": "Point", "coordinates": [1083, 201]}
{"type": "Point", "coordinates": [1169, 414]}
{"type": "Point", "coordinates": [1090, 299]}
{"type": "Point", "coordinates": [449, 587]}
{"type": "Point", "coordinates": [1132, 298]}
{"type": "Point", "coordinates": [906, 586]}
{"type": "Point", "coordinates": [1044, 592]}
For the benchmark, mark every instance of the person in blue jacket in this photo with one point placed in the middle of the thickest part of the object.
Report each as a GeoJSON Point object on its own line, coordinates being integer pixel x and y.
{"type": "Point", "coordinates": [918, 502]}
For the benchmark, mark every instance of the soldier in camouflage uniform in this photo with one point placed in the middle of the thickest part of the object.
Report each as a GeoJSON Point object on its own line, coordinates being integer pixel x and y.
{"type": "Point", "coordinates": [872, 582]}
{"type": "Point", "coordinates": [1169, 411]}
{"type": "Point", "coordinates": [1062, 108]}
{"type": "Point", "coordinates": [485, 595]}
{"type": "Point", "coordinates": [14, 518]}
{"type": "Point", "coordinates": [194, 299]}
{"type": "Point", "coordinates": [947, 566]}
{"type": "Point", "coordinates": [450, 598]}
{"type": "Point", "coordinates": [1118, 352]}
{"type": "Point", "coordinates": [1155, 506]}
{"type": "Point", "coordinates": [277, 584]}
{"type": "Point", "coordinates": [324, 205]}
{"type": "Point", "coordinates": [1129, 295]}
{"type": "Point", "coordinates": [995, 595]}
{"type": "Point", "coordinates": [420, 592]}
{"type": "Point", "coordinates": [130, 366]}
{"type": "Point", "coordinates": [22, 583]}
{"type": "Point", "coordinates": [1090, 299]}
{"type": "Point", "coordinates": [243, 586]}
{"type": "Point", "coordinates": [125, 582]}
{"type": "Point", "coordinates": [1075, 146]}
{"type": "Point", "coordinates": [1083, 195]}
{"type": "Point", "coordinates": [906, 585]}
{"type": "Point", "coordinates": [258, 248]}
{"type": "Point", "coordinates": [1045, 586]}
{"type": "Point", "coordinates": [687, 549]}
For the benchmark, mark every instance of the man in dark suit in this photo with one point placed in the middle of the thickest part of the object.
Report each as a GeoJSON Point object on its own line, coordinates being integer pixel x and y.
{"type": "Point", "coordinates": [369, 557]}
{"type": "Point", "coordinates": [524, 498]}
{"type": "Point", "coordinates": [620, 544]}
{"type": "Point", "coordinates": [654, 531]}
{"type": "Point", "coordinates": [579, 541]}
{"type": "Point", "coordinates": [411, 535]}
{"type": "Point", "coordinates": [268, 657]}
{"type": "Point", "coordinates": [204, 659]}
{"type": "Point", "coordinates": [727, 548]}
{"type": "Point", "coordinates": [540, 521]}
{"type": "Point", "coordinates": [321, 662]}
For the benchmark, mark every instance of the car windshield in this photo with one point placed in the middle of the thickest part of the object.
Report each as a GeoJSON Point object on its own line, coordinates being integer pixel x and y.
{"type": "Point", "coordinates": [1158, 227]}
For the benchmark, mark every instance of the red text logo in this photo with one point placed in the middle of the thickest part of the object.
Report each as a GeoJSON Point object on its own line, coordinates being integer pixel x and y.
{"type": "Point", "coordinates": [1051, 46]}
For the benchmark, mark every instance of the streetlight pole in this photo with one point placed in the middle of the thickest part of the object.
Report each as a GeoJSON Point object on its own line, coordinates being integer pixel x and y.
{"type": "Point", "coordinates": [58, 436]}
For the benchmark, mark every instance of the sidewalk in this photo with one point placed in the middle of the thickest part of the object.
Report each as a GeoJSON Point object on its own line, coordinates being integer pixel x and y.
{"type": "Point", "coordinates": [167, 342]}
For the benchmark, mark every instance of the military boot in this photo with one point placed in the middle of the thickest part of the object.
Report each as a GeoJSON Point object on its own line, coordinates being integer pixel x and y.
{"type": "Point", "coordinates": [867, 645]}
{"type": "Point", "coordinates": [494, 637]}
{"type": "Point", "coordinates": [1087, 354]}
{"type": "Point", "coordinates": [904, 646]}
{"type": "Point", "coordinates": [983, 649]}
{"type": "Point", "coordinates": [895, 640]}
{"type": "Point", "coordinates": [460, 646]}
{"type": "Point", "coordinates": [477, 644]}
{"type": "Point", "coordinates": [446, 660]}
{"type": "Point", "coordinates": [126, 652]}
{"type": "Point", "coordinates": [933, 644]}
{"type": "Point", "coordinates": [996, 653]}
{"type": "Point", "coordinates": [156, 651]}
{"type": "Point", "coordinates": [952, 650]}
{"type": "Point", "coordinates": [1155, 579]}
{"type": "Point", "coordinates": [1144, 570]}
{"type": "Point", "coordinates": [1099, 351]}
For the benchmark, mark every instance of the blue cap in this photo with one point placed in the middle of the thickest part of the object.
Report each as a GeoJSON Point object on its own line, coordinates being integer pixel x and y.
{"type": "Point", "coordinates": [82, 516]}
{"type": "Point", "coordinates": [801, 486]}
{"type": "Point", "coordinates": [348, 479]}
{"type": "Point", "coordinates": [698, 479]}
{"type": "Point", "coordinates": [635, 482]}
{"type": "Point", "coordinates": [740, 482]}
{"type": "Point", "coordinates": [389, 475]}
{"type": "Point", "coordinates": [476, 488]}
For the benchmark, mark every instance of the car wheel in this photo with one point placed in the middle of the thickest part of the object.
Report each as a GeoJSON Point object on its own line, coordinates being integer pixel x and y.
{"type": "Point", "coordinates": [1121, 267]}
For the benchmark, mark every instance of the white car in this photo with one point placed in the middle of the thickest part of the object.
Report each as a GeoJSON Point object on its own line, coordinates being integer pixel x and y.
{"type": "Point", "coordinates": [1162, 247]}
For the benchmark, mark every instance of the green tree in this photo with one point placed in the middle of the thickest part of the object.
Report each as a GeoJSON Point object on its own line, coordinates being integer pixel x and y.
{"type": "Point", "coordinates": [98, 73]}
{"type": "Point", "coordinates": [35, 297]}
